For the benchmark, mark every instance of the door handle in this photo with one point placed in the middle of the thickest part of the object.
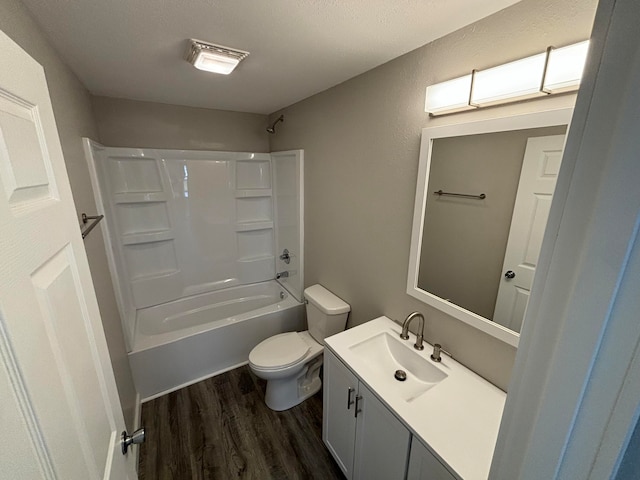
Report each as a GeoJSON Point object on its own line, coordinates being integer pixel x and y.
{"type": "Point", "coordinates": [510, 274]}
{"type": "Point", "coordinates": [127, 440]}
{"type": "Point", "coordinates": [357, 410]}
{"type": "Point", "coordinates": [349, 401]}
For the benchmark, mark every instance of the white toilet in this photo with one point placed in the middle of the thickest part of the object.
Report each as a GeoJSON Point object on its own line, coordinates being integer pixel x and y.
{"type": "Point", "coordinates": [290, 362]}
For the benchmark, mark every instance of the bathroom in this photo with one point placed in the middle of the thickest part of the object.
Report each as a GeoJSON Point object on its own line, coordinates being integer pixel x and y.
{"type": "Point", "coordinates": [357, 227]}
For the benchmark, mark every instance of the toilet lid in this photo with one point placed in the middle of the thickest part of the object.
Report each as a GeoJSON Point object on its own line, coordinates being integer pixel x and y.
{"type": "Point", "coordinates": [279, 351]}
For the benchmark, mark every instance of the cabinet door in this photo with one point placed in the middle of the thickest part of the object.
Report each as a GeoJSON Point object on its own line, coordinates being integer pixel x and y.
{"type": "Point", "coordinates": [382, 442]}
{"type": "Point", "coordinates": [339, 421]}
{"type": "Point", "coordinates": [424, 466]}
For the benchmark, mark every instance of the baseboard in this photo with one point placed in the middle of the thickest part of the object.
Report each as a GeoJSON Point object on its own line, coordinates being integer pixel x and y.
{"type": "Point", "coordinates": [191, 382]}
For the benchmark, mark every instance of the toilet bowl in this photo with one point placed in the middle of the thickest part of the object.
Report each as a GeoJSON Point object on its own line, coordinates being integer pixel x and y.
{"type": "Point", "coordinates": [290, 362]}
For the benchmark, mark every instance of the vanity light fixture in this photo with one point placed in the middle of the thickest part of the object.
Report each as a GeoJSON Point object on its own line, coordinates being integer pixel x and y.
{"type": "Point", "coordinates": [214, 58]}
{"type": "Point", "coordinates": [557, 70]}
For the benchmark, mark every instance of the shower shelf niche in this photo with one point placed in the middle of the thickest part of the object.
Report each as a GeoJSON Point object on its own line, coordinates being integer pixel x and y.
{"type": "Point", "coordinates": [250, 226]}
{"type": "Point", "coordinates": [263, 192]}
{"type": "Point", "coordinates": [147, 237]}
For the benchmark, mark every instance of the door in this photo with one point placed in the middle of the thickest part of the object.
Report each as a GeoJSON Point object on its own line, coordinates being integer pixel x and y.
{"type": "Point", "coordinates": [424, 466]}
{"type": "Point", "coordinates": [538, 177]}
{"type": "Point", "coordinates": [60, 414]}
{"type": "Point", "coordinates": [382, 442]}
{"type": "Point", "coordinates": [339, 420]}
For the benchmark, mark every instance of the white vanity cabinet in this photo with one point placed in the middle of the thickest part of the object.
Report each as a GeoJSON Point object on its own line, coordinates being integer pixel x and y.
{"type": "Point", "coordinates": [367, 441]}
{"type": "Point", "coordinates": [424, 466]}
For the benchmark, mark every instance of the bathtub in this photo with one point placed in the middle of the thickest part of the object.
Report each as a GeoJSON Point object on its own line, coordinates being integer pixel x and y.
{"type": "Point", "coordinates": [193, 338]}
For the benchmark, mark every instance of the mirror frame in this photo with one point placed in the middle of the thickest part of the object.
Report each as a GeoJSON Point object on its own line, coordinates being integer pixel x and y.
{"type": "Point", "coordinates": [537, 119]}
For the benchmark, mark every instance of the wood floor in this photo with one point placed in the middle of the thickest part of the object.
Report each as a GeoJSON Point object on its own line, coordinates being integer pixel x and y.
{"type": "Point", "coordinates": [221, 429]}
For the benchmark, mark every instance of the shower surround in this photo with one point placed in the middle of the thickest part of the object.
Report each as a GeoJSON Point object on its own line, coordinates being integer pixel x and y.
{"type": "Point", "coordinates": [194, 240]}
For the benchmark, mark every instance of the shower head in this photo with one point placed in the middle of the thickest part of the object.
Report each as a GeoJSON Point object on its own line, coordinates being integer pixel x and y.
{"type": "Point", "coordinates": [272, 128]}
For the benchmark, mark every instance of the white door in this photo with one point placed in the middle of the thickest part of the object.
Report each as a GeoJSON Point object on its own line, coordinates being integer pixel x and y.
{"type": "Point", "coordinates": [424, 466]}
{"type": "Point", "coordinates": [538, 177]}
{"type": "Point", "coordinates": [59, 411]}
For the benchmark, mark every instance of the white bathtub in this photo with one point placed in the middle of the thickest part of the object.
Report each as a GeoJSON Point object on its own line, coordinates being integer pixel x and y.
{"type": "Point", "coordinates": [188, 340]}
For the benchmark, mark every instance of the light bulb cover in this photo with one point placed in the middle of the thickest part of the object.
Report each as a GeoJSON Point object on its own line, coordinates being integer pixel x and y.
{"type": "Point", "coordinates": [214, 58]}
{"type": "Point", "coordinates": [565, 66]}
{"type": "Point", "coordinates": [448, 97]}
{"type": "Point", "coordinates": [509, 82]}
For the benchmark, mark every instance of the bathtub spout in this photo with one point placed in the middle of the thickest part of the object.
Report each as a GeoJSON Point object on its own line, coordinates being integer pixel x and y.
{"type": "Point", "coordinates": [284, 274]}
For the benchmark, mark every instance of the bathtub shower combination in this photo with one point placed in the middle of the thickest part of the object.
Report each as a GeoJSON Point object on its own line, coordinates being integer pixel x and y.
{"type": "Point", "coordinates": [195, 240]}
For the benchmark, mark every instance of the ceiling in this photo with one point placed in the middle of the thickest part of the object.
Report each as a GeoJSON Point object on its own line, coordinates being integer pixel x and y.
{"type": "Point", "coordinates": [135, 48]}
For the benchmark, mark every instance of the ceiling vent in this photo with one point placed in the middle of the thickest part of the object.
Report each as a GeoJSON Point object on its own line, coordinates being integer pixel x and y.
{"type": "Point", "coordinates": [214, 58]}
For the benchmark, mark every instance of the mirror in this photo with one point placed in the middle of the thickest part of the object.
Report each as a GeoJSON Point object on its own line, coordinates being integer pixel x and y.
{"type": "Point", "coordinates": [482, 199]}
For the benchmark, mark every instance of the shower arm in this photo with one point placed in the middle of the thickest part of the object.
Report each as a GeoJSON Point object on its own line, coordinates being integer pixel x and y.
{"type": "Point", "coordinates": [272, 128]}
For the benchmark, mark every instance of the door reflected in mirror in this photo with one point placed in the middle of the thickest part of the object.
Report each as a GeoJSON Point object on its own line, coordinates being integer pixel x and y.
{"type": "Point", "coordinates": [483, 196]}
{"type": "Point", "coordinates": [481, 253]}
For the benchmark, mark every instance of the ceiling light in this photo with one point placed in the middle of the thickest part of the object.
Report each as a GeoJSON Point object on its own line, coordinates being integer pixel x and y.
{"type": "Point", "coordinates": [214, 58]}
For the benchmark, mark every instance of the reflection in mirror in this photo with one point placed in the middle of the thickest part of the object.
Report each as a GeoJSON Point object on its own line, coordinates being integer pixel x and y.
{"type": "Point", "coordinates": [470, 243]}
{"type": "Point", "coordinates": [474, 256]}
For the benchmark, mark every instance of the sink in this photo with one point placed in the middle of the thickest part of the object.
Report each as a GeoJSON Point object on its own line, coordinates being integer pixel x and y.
{"type": "Point", "coordinates": [383, 354]}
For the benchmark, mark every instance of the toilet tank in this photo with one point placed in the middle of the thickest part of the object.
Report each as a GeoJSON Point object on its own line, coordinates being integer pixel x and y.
{"type": "Point", "coordinates": [326, 313]}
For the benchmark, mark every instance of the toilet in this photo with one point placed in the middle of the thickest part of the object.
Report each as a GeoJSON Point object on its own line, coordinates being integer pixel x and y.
{"type": "Point", "coordinates": [290, 362]}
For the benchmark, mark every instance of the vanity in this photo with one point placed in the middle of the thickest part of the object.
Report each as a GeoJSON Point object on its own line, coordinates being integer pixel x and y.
{"type": "Point", "coordinates": [440, 423]}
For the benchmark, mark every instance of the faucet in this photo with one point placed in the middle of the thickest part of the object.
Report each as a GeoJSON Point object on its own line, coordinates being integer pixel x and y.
{"type": "Point", "coordinates": [284, 274]}
{"type": "Point", "coordinates": [405, 329]}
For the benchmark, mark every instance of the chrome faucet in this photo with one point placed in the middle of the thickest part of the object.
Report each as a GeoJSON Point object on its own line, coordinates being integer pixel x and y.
{"type": "Point", "coordinates": [284, 274]}
{"type": "Point", "coordinates": [405, 329]}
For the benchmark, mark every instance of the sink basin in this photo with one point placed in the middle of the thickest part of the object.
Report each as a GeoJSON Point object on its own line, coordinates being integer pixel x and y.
{"type": "Point", "coordinates": [383, 354]}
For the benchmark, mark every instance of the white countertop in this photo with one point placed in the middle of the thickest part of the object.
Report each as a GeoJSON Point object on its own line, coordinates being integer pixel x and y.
{"type": "Point", "coordinates": [458, 418]}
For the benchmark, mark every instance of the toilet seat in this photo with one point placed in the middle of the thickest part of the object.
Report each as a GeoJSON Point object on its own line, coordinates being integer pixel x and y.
{"type": "Point", "coordinates": [278, 352]}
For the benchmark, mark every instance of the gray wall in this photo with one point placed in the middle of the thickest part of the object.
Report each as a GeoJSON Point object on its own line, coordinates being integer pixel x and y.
{"type": "Point", "coordinates": [464, 240]}
{"type": "Point", "coordinates": [130, 123]}
{"type": "Point", "coordinates": [74, 119]}
{"type": "Point", "coordinates": [361, 141]}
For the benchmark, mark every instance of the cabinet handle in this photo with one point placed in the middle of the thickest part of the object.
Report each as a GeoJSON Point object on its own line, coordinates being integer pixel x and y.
{"type": "Point", "coordinates": [357, 411]}
{"type": "Point", "coordinates": [349, 401]}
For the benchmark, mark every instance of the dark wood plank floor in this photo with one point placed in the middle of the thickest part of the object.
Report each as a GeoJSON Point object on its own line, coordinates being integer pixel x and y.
{"type": "Point", "coordinates": [221, 429]}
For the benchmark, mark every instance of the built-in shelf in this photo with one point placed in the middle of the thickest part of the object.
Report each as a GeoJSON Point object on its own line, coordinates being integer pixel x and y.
{"type": "Point", "coordinates": [140, 197]}
{"type": "Point", "coordinates": [257, 258]}
{"type": "Point", "coordinates": [147, 237]}
{"type": "Point", "coordinates": [251, 226]}
{"type": "Point", "coordinates": [255, 192]}
{"type": "Point", "coordinates": [160, 274]}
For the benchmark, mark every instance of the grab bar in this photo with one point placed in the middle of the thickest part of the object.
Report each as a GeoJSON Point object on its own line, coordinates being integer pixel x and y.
{"type": "Point", "coordinates": [85, 219]}
{"type": "Point", "coordinates": [482, 196]}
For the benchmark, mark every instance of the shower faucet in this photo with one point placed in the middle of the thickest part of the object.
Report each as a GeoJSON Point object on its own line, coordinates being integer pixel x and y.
{"type": "Point", "coordinates": [284, 274]}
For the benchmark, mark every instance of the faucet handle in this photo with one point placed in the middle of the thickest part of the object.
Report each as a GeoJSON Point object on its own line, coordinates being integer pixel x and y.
{"type": "Point", "coordinates": [437, 350]}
